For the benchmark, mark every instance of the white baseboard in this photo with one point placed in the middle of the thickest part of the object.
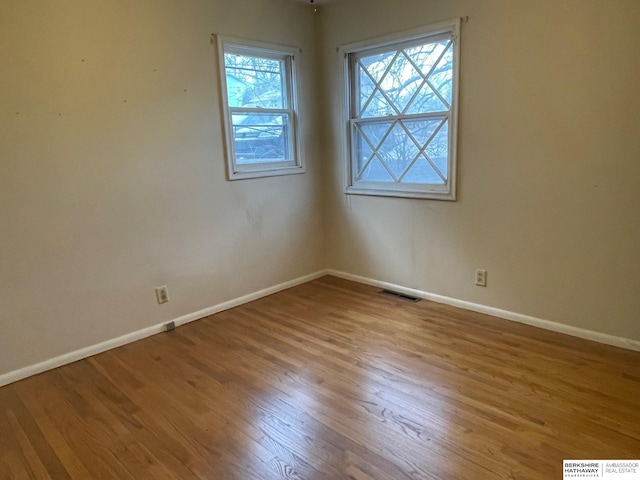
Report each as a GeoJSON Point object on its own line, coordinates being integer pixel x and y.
{"type": "Point", "coordinates": [74, 356]}
{"type": "Point", "coordinates": [621, 342]}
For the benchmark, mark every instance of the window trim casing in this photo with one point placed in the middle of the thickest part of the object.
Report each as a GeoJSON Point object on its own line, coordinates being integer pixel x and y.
{"type": "Point", "coordinates": [226, 44]}
{"type": "Point", "coordinates": [428, 191]}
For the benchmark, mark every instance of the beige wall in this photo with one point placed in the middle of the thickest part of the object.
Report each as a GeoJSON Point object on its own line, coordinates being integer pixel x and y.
{"type": "Point", "coordinates": [112, 171]}
{"type": "Point", "coordinates": [549, 162]}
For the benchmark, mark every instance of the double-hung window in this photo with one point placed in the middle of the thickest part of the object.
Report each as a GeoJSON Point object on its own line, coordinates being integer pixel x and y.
{"type": "Point", "coordinates": [402, 103]}
{"type": "Point", "coordinates": [258, 84]}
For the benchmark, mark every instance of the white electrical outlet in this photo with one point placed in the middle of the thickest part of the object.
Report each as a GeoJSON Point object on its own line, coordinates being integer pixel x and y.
{"type": "Point", "coordinates": [162, 294]}
{"type": "Point", "coordinates": [481, 278]}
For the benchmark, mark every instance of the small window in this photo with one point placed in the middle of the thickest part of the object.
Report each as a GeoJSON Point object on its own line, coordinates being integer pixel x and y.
{"type": "Point", "coordinates": [402, 101]}
{"type": "Point", "coordinates": [259, 101]}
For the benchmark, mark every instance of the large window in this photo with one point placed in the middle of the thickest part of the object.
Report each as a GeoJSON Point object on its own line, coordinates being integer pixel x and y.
{"type": "Point", "coordinates": [259, 100]}
{"type": "Point", "coordinates": [402, 94]}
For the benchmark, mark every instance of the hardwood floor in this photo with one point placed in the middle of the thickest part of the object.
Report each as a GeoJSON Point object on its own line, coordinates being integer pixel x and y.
{"type": "Point", "coordinates": [328, 380]}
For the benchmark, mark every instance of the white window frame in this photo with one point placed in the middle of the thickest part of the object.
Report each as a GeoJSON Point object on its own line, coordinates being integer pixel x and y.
{"type": "Point", "coordinates": [294, 165]}
{"type": "Point", "coordinates": [353, 186]}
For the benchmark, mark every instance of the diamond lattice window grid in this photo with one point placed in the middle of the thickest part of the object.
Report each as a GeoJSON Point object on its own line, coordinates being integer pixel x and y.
{"type": "Point", "coordinates": [403, 113]}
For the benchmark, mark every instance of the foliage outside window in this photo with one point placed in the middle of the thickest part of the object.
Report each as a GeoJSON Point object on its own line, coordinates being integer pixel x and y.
{"type": "Point", "coordinates": [402, 101]}
{"type": "Point", "coordinates": [259, 100]}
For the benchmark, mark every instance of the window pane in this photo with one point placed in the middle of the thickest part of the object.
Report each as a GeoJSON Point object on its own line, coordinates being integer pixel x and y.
{"type": "Point", "coordinates": [396, 76]}
{"type": "Point", "coordinates": [369, 166]}
{"type": "Point", "coordinates": [261, 137]}
{"type": "Point", "coordinates": [376, 106]}
{"type": "Point", "coordinates": [422, 130]}
{"type": "Point", "coordinates": [425, 56]}
{"type": "Point", "coordinates": [426, 102]}
{"type": "Point", "coordinates": [377, 64]}
{"type": "Point", "coordinates": [442, 76]}
{"type": "Point", "coordinates": [398, 150]}
{"type": "Point", "coordinates": [422, 172]}
{"type": "Point", "coordinates": [375, 172]}
{"type": "Point", "coordinates": [254, 81]}
{"type": "Point", "coordinates": [393, 147]}
{"type": "Point", "coordinates": [438, 149]}
{"type": "Point", "coordinates": [411, 80]}
{"type": "Point", "coordinates": [402, 81]}
{"type": "Point", "coordinates": [435, 132]}
{"type": "Point", "coordinates": [413, 150]}
{"type": "Point", "coordinates": [364, 153]}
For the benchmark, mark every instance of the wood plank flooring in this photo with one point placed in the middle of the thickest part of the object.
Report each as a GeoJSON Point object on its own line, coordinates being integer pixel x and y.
{"type": "Point", "coordinates": [328, 380]}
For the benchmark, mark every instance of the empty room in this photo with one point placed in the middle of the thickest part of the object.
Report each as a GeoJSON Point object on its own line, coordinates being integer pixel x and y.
{"type": "Point", "coordinates": [329, 239]}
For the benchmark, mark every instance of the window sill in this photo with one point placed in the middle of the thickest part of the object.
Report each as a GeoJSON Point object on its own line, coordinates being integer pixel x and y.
{"type": "Point", "coordinates": [381, 192]}
{"type": "Point", "coordinates": [271, 172]}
